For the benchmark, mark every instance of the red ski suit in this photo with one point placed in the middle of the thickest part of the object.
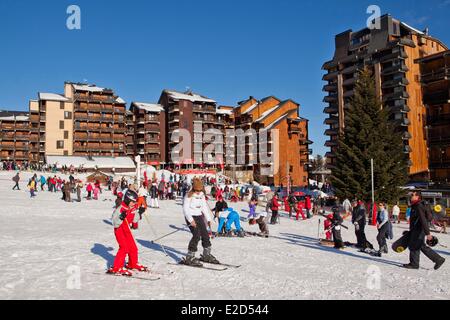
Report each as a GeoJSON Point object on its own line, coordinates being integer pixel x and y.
{"type": "Point", "coordinates": [127, 245]}
{"type": "Point", "coordinates": [299, 210]}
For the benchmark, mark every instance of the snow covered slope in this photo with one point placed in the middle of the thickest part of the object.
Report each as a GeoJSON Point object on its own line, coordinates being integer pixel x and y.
{"type": "Point", "coordinates": [46, 243]}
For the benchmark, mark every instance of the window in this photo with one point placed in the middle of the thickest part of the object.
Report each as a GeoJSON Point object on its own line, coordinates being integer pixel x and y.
{"type": "Point", "coordinates": [61, 124]}
{"type": "Point", "coordinates": [67, 115]}
{"type": "Point", "coordinates": [66, 153]}
{"type": "Point", "coordinates": [60, 144]}
{"type": "Point", "coordinates": [61, 105]}
{"type": "Point", "coordinates": [66, 134]}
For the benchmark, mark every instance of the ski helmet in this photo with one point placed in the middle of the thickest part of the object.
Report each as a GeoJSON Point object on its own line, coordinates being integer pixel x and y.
{"type": "Point", "coordinates": [433, 242]}
{"type": "Point", "coordinates": [130, 195]}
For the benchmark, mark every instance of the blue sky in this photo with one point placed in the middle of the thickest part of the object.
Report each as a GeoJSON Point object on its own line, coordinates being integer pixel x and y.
{"type": "Point", "coordinates": [227, 50]}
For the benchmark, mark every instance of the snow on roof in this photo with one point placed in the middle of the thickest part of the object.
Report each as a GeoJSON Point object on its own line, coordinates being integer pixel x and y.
{"type": "Point", "coordinates": [253, 106]}
{"type": "Point", "coordinates": [150, 107]}
{"type": "Point", "coordinates": [99, 162]}
{"type": "Point", "coordinates": [411, 28]}
{"type": "Point", "coordinates": [52, 96]}
{"type": "Point", "coordinates": [273, 124]}
{"type": "Point", "coordinates": [90, 88]}
{"type": "Point", "coordinates": [267, 113]}
{"type": "Point", "coordinates": [224, 111]}
{"type": "Point", "coordinates": [16, 118]}
{"type": "Point", "coordinates": [190, 97]}
{"type": "Point", "coordinates": [120, 100]}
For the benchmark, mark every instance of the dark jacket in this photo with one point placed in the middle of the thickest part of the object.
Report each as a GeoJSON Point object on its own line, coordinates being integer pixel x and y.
{"type": "Point", "coordinates": [359, 215]}
{"type": "Point", "coordinates": [419, 226]}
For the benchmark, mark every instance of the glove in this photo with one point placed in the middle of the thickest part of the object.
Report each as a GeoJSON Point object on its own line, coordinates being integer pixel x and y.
{"type": "Point", "coordinates": [134, 226]}
{"type": "Point", "coordinates": [122, 216]}
{"type": "Point", "coordinates": [141, 210]}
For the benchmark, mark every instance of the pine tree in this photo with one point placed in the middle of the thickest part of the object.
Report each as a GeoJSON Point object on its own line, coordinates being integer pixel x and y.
{"type": "Point", "coordinates": [369, 135]}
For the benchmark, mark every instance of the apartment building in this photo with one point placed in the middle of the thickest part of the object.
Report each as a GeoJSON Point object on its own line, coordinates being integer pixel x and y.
{"type": "Point", "coordinates": [195, 115]}
{"type": "Point", "coordinates": [435, 79]}
{"type": "Point", "coordinates": [390, 52]}
{"type": "Point", "coordinates": [289, 158]}
{"type": "Point", "coordinates": [84, 121]}
{"type": "Point", "coordinates": [14, 136]}
{"type": "Point", "coordinates": [149, 132]}
{"type": "Point", "coordinates": [130, 145]}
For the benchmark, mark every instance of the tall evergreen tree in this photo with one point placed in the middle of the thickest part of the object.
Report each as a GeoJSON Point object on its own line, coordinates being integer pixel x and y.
{"type": "Point", "coordinates": [368, 134]}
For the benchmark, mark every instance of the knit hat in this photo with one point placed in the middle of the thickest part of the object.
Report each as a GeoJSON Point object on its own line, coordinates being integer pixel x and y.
{"type": "Point", "coordinates": [197, 185]}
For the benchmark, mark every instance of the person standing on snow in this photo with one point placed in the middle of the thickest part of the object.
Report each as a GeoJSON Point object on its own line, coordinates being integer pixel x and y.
{"type": "Point", "coordinates": [196, 211]}
{"type": "Point", "coordinates": [16, 179]}
{"type": "Point", "coordinates": [124, 219]}
{"type": "Point", "coordinates": [275, 205]}
{"type": "Point", "coordinates": [419, 229]}
{"type": "Point", "coordinates": [43, 182]}
{"type": "Point", "coordinates": [359, 221]}
{"type": "Point", "coordinates": [396, 213]}
{"type": "Point", "coordinates": [383, 228]}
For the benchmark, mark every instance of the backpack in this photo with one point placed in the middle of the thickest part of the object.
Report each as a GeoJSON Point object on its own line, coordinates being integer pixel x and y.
{"type": "Point", "coordinates": [428, 211]}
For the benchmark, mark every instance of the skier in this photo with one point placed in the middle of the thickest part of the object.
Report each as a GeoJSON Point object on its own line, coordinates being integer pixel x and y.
{"type": "Point", "coordinates": [299, 209]}
{"type": "Point", "coordinates": [154, 196]}
{"type": "Point", "coordinates": [419, 229]}
{"type": "Point", "coordinates": [274, 207]}
{"type": "Point", "coordinates": [196, 210]}
{"type": "Point", "coordinates": [219, 212]}
{"type": "Point", "coordinates": [233, 218]}
{"type": "Point", "coordinates": [327, 225]}
{"type": "Point", "coordinates": [359, 221]}
{"type": "Point", "coordinates": [336, 227]}
{"type": "Point", "coordinates": [308, 207]}
{"type": "Point", "coordinates": [32, 186]}
{"type": "Point", "coordinates": [124, 219]}
{"type": "Point", "coordinates": [383, 228]}
{"type": "Point", "coordinates": [89, 191]}
{"type": "Point", "coordinates": [79, 187]}
{"type": "Point", "coordinates": [396, 213]}
{"type": "Point", "coordinates": [252, 208]}
{"type": "Point", "coordinates": [16, 179]}
{"type": "Point", "coordinates": [43, 182]}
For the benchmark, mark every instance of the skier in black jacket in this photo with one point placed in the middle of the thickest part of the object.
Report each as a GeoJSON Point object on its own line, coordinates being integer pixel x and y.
{"type": "Point", "coordinates": [359, 221]}
{"type": "Point", "coordinates": [419, 228]}
{"type": "Point", "coordinates": [336, 223]}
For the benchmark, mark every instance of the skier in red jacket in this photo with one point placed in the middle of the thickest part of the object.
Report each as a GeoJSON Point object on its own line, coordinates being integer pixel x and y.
{"type": "Point", "coordinates": [124, 219]}
{"type": "Point", "coordinates": [300, 207]}
{"type": "Point", "coordinates": [275, 205]}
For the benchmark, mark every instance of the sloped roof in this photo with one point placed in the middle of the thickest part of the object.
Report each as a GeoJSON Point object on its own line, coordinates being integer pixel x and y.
{"type": "Point", "coordinates": [52, 96]}
{"type": "Point", "coordinates": [193, 97]}
{"type": "Point", "coordinates": [85, 87]}
{"type": "Point", "coordinates": [150, 107]}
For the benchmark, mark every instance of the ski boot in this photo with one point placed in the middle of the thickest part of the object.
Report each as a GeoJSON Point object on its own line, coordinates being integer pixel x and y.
{"type": "Point", "coordinates": [385, 249]}
{"type": "Point", "coordinates": [241, 233]}
{"type": "Point", "coordinates": [191, 260]}
{"type": "Point", "coordinates": [137, 267]}
{"type": "Point", "coordinates": [120, 272]}
{"type": "Point", "coordinates": [229, 234]}
{"type": "Point", "coordinates": [208, 257]}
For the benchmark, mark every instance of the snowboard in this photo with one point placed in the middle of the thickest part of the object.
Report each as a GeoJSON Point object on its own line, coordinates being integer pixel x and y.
{"type": "Point", "coordinates": [401, 244]}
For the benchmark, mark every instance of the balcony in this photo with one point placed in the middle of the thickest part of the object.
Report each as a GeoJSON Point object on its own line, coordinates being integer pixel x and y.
{"type": "Point", "coordinates": [331, 143]}
{"type": "Point", "coordinates": [350, 69]}
{"type": "Point", "coordinates": [331, 110]}
{"type": "Point", "coordinates": [406, 136]}
{"type": "Point", "coordinates": [394, 56]}
{"type": "Point", "coordinates": [330, 155]}
{"type": "Point", "coordinates": [330, 76]}
{"type": "Point", "coordinates": [349, 93]}
{"type": "Point", "coordinates": [436, 75]}
{"type": "Point", "coordinates": [396, 96]}
{"type": "Point", "coordinates": [330, 88]}
{"type": "Point", "coordinates": [349, 82]}
{"type": "Point", "coordinates": [331, 120]}
{"type": "Point", "coordinates": [204, 109]}
{"type": "Point", "coordinates": [395, 69]}
{"type": "Point", "coordinates": [437, 119]}
{"type": "Point", "coordinates": [395, 83]}
{"type": "Point", "coordinates": [329, 65]}
{"type": "Point", "coordinates": [332, 98]}
{"type": "Point", "coordinates": [331, 132]}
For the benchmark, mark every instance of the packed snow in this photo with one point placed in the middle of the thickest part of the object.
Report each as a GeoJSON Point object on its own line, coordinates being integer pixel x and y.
{"type": "Point", "coordinates": [51, 249]}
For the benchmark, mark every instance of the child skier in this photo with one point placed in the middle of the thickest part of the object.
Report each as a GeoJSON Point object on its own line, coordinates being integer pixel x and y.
{"type": "Point", "coordinates": [196, 210]}
{"type": "Point", "coordinates": [124, 219]}
{"type": "Point", "coordinates": [299, 209]}
{"type": "Point", "coordinates": [233, 218]}
{"type": "Point", "coordinates": [327, 226]}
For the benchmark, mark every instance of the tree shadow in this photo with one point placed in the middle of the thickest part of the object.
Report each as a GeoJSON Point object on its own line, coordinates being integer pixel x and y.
{"type": "Point", "coordinates": [171, 252]}
{"type": "Point", "coordinates": [443, 252]}
{"type": "Point", "coordinates": [312, 243]}
{"type": "Point", "coordinates": [103, 251]}
{"type": "Point", "coordinates": [107, 222]}
{"type": "Point", "coordinates": [178, 228]}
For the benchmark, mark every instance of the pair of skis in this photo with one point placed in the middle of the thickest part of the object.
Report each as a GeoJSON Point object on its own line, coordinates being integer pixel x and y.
{"type": "Point", "coordinates": [222, 266]}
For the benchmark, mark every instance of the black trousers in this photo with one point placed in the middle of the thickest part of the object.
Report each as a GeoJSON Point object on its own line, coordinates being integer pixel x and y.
{"type": "Point", "coordinates": [16, 186]}
{"type": "Point", "coordinates": [361, 236]}
{"type": "Point", "coordinates": [381, 237]}
{"type": "Point", "coordinates": [199, 232]}
{"type": "Point", "coordinates": [414, 255]}
{"type": "Point", "coordinates": [338, 243]}
{"type": "Point", "coordinates": [273, 220]}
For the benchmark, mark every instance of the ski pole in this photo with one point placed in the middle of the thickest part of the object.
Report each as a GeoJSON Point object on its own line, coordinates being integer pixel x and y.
{"type": "Point", "coordinates": [164, 236]}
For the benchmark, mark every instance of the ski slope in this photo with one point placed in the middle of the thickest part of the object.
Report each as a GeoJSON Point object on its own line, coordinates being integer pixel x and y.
{"type": "Point", "coordinates": [50, 249]}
